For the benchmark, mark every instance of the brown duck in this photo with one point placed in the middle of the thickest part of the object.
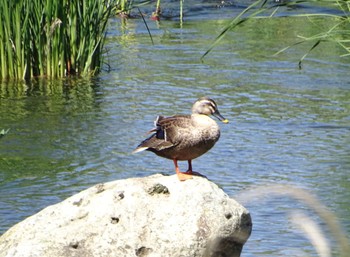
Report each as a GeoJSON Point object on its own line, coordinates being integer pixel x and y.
{"type": "Point", "coordinates": [185, 137]}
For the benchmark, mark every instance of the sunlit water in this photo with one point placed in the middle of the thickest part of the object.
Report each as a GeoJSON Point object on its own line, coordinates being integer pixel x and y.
{"type": "Point", "coordinates": [287, 125]}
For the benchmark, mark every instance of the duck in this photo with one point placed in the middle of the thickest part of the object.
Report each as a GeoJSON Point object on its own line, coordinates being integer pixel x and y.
{"type": "Point", "coordinates": [185, 137]}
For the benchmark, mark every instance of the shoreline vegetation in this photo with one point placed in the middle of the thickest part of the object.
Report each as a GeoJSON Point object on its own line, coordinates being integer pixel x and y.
{"type": "Point", "coordinates": [61, 38]}
{"type": "Point", "coordinates": [52, 38]}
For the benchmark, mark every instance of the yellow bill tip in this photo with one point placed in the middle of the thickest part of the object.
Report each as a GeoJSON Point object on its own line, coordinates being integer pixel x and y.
{"type": "Point", "coordinates": [225, 121]}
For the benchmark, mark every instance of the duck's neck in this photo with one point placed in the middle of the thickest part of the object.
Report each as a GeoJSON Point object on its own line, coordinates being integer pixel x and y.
{"type": "Point", "coordinates": [202, 120]}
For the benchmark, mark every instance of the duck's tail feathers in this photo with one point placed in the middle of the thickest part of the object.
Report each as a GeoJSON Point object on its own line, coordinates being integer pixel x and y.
{"type": "Point", "coordinates": [139, 149]}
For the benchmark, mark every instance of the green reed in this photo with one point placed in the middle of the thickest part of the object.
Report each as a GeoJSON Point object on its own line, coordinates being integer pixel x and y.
{"type": "Point", "coordinates": [338, 32]}
{"type": "Point", "coordinates": [45, 38]}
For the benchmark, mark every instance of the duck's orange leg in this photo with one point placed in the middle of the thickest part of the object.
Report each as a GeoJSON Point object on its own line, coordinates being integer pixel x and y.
{"type": "Point", "coordinates": [190, 171]}
{"type": "Point", "coordinates": [182, 175]}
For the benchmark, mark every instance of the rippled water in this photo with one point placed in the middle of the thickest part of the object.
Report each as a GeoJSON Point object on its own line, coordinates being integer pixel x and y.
{"type": "Point", "coordinates": [287, 125]}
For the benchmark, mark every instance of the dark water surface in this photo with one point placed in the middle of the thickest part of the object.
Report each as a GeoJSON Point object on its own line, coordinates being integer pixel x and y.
{"type": "Point", "coordinates": [288, 126]}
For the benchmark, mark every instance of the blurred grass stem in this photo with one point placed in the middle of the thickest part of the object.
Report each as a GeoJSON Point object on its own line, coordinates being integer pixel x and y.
{"type": "Point", "coordinates": [307, 198]}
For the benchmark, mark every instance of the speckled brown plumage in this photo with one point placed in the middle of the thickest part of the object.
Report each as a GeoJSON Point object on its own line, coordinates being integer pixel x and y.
{"type": "Point", "coordinates": [185, 137]}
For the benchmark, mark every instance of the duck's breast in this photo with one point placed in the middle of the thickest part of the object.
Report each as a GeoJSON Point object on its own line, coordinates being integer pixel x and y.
{"type": "Point", "coordinates": [205, 128]}
{"type": "Point", "coordinates": [199, 138]}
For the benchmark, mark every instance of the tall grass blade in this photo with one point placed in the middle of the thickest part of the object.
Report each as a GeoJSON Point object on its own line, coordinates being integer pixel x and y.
{"type": "Point", "coordinates": [334, 34]}
{"type": "Point", "coordinates": [237, 21]}
{"type": "Point", "coordinates": [52, 38]}
{"type": "Point", "coordinates": [306, 54]}
{"type": "Point", "coordinates": [144, 21]}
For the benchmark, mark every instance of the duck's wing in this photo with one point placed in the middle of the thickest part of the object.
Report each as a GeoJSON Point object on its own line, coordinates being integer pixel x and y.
{"type": "Point", "coordinates": [172, 129]}
{"type": "Point", "coordinates": [165, 134]}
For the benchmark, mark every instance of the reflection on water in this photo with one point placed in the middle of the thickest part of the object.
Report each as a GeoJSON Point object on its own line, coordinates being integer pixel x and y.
{"type": "Point", "coordinates": [287, 125]}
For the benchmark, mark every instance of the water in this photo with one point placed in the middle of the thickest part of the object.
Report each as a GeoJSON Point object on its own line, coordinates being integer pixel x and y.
{"type": "Point", "coordinates": [286, 125]}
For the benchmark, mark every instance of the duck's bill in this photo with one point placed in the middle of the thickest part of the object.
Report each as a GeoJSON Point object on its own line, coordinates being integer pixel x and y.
{"type": "Point", "coordinates": [220, 117]}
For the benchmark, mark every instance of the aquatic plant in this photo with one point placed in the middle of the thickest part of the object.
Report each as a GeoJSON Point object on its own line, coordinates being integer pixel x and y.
{"type": "Point", "coordinates": [337, 33]}
{"type": "Point", "coordinates": [123, 7]}
{"type": "Point", "coordinates": [52, 38]}
{"type": "Point", "coordinates": [3, 132]}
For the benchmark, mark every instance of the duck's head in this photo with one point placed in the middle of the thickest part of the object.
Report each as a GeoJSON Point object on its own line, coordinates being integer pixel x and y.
{"type": "Point", "coordinates": [207, 106]}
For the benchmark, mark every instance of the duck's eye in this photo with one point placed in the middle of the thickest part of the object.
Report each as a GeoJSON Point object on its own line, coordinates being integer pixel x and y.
{"type": "Point", "coordinates": [211, 105]}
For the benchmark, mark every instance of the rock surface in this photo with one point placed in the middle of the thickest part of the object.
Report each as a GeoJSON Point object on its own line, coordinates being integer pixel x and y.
{"type": "Point", "coordinates": [156, 216]}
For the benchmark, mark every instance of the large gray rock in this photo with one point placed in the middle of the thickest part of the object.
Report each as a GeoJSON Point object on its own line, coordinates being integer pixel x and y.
{"type": "Point", "coordinates": [156, 216]}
